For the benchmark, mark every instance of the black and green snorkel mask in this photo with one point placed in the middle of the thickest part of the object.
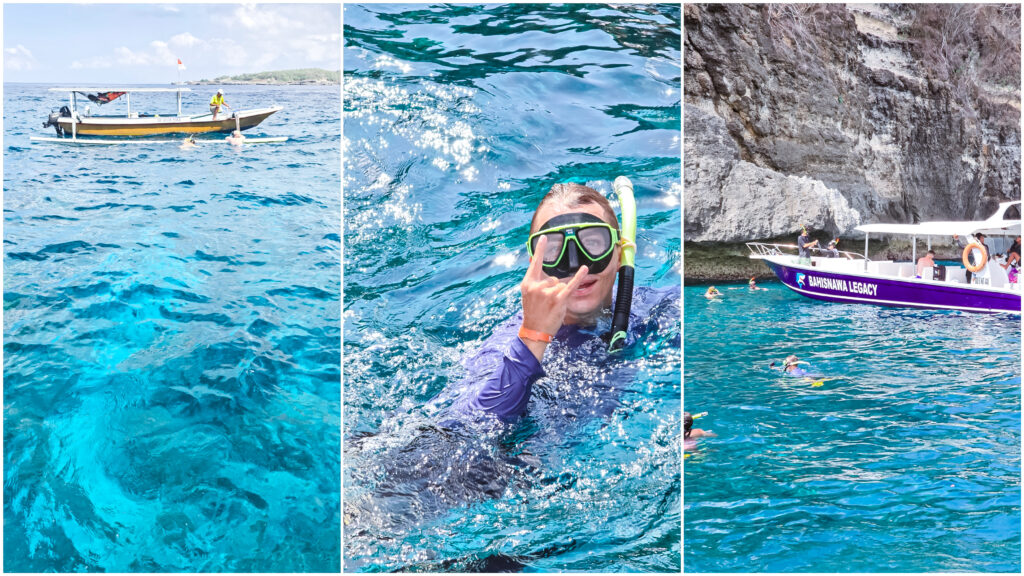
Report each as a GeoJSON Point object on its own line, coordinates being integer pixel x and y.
{"type": "Point", "coordinates": [579, 239]}
{"type": "Point", "coordinates": [575, 240]}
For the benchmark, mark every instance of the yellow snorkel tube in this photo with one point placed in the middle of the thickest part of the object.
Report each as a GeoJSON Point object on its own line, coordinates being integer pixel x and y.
{"type": "Point", "coordinates": [627, 234]}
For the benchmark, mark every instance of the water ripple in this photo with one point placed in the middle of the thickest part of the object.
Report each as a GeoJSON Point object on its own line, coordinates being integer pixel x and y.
{"type": "Point", "coordinates": [902, 453]}
{"type": "Point", "coordinates": [457, 121]}
{"type": "Point", "coordinates": [172, 349]}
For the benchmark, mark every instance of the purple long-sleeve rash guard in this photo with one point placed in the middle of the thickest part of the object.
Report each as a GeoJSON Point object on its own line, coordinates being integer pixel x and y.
{"type": "Point", "coordinates": [500, 376]}
{"type": "Point", "coordinates": [506, 393]}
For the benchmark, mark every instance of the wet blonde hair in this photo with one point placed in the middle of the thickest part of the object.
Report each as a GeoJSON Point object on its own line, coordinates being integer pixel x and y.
{"type": "Point", "coordinates": [572, 195]}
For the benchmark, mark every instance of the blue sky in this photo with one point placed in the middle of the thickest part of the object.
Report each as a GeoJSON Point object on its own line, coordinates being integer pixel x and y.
{"type": "Point", "coordinates": [135, 43]}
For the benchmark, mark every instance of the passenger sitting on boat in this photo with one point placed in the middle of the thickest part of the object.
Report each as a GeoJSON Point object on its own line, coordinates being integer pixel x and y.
{"type": "Point", "coordinates": [216, 102]}
{"type": "Point", "coordinates": [924, 262]}
{"type": "Point", "coordinates": [804, 244]}
{"type": "Point", "coordinates": [1013, 254]}
{"type": "Point", "coordinates": [236, 138]}
{"type": "Point", "coordinates": [712, 292]}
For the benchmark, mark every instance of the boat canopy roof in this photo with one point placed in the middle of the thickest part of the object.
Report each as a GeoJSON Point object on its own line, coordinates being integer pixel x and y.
{"type": "Point", "coordinates": [996, 225]}
{"type": "Point", "coordinates": [120, 89]}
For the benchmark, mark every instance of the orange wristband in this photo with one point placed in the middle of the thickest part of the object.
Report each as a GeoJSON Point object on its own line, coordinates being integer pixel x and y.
{"type": "Point", "coordinates": [534, 335]}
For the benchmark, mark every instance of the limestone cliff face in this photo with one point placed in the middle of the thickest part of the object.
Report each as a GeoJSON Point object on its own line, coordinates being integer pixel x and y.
{"type": "Point", "coordinates": [834, 115]}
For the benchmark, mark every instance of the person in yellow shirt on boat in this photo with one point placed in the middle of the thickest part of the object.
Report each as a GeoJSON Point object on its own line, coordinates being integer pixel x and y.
{"type": "Point", "coordinates": [216, 102]}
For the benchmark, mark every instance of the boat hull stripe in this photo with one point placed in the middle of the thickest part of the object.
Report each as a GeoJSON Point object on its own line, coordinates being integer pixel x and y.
{"type": "Point", "coordinates": [839, 287]}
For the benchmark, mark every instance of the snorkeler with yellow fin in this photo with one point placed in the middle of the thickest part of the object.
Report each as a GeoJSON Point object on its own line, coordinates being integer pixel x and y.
{"type": "Point", "coordinates": [791, 367]}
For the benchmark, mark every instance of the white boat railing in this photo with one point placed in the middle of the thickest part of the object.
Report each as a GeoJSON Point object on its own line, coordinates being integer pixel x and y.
{"type": "Point", "coordinates": [761, 249]}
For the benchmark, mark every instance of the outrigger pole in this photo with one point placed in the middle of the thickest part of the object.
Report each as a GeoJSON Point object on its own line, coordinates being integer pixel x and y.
{"type": "Point", "coordinates": [179, 87]}
{"type": "Point", "coordinates": [74, 108]}
{"type": "Point", "coordinates": [865, 251]}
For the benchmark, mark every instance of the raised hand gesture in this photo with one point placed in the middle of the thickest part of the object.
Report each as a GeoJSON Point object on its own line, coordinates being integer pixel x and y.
{"type": "Point", "coordinates": [545, 300]}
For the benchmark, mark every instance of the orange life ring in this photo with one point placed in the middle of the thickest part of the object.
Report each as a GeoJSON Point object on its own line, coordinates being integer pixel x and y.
{"type": "Point", "coordinates": [967, 261]}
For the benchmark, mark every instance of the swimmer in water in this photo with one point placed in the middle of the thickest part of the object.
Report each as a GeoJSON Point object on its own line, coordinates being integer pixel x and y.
{"type": "Point", "coordinates": [549, 359]}
{"type": "Point", "coordinates": [236, 138]}
{"type": "Point", "coordinates": [753, 285]}
{"type": "Point", "coordinates": [691, 434]}
{"type": "Point", "coordinates": [574, 248]}
{"type": "Point", "coordinates": [712, 293]}
{"type": "Point", "coordinates": [791, 366]}
{"type": "Point", "coordinates": [189, 143]}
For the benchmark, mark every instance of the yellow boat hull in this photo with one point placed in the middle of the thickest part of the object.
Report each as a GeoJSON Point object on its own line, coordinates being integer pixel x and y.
{"type": "Point", "coordinates": [157, 125]}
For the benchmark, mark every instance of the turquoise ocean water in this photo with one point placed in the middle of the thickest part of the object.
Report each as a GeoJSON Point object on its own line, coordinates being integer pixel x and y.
{"type": "Point", "coordinates": [172, 344]}
{"type": "Point", "coordinates": [457, 121]}
{"type": "Point", "coordinates": [906, 457]}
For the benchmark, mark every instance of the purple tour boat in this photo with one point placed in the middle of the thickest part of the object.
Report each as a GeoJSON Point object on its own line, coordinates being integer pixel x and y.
{"type": "Point", "coordinates": [855, 278]}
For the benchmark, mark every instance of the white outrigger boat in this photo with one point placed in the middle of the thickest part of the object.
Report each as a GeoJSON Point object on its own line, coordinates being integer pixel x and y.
{"type": "Point", "coordinates": [855, 278]}
{"type": "Point", "coordinates": [70, 122]}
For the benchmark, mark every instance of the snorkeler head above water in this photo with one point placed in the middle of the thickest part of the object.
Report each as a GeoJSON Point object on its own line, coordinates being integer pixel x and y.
{"type": "Point", "coordinates": [691, 433]}
{"type": "Point", "coordinates": [574, 256]}
{"type": "Point", "coordinates": [791, 366]}
{"type": "Point", "coordinates": [576, 250]}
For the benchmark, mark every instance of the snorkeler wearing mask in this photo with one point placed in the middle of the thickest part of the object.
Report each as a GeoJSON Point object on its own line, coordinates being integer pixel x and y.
{"type": "Point", "coordinates": [555, 358]}
{"type": "Point", "coordinates": [574, 245]}
{"type": "Point", "coordinates": [791, 366]}
{"type": "Point", "coordinates": [691, 434]}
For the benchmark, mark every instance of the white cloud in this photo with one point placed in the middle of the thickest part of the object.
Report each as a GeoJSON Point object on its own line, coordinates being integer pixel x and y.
{"type": "Point", "coordinates": [267, 21]}
{"type": "Point", "coordinates": [158, 54]}
{"type": "Point", "coordinates": [92, 63]}
{"type": "Point", "coordinates": [128, 57]}
{"type": "Point", "coordinates": [255, 38]}
{"type": "Point", "coordinates": [19, 58]}
{"type": "Point", "coordinates": [185, 40]}
{"type": "Point", "coordinates": [229, 52]}
{"type": "Point", "coordinates": [319, 48]}
{"type": "Point", "coordinates": [162, 53]}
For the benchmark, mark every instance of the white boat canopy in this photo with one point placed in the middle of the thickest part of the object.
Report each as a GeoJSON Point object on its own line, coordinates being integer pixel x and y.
{"type": "Point", "coordinates": [996, 225]}
{"type": "Point", "coordinates": [120, 89]}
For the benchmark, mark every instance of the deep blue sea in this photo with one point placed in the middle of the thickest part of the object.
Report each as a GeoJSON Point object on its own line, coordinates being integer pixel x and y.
{"type": "Point", "coordinates": [901, 454]}
{"type": "Point", "coordinates": [172, 344]}
{"type": "Point", "coordinates": [458, 119]}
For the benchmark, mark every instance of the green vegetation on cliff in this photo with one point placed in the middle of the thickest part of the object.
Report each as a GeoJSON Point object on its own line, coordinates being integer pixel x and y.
{"type": "Point", "coordinates": [298, 76]}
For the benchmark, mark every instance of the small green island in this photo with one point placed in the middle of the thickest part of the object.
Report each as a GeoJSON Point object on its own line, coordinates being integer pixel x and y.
{"type": "Point", "coordinates": [300, 76]}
